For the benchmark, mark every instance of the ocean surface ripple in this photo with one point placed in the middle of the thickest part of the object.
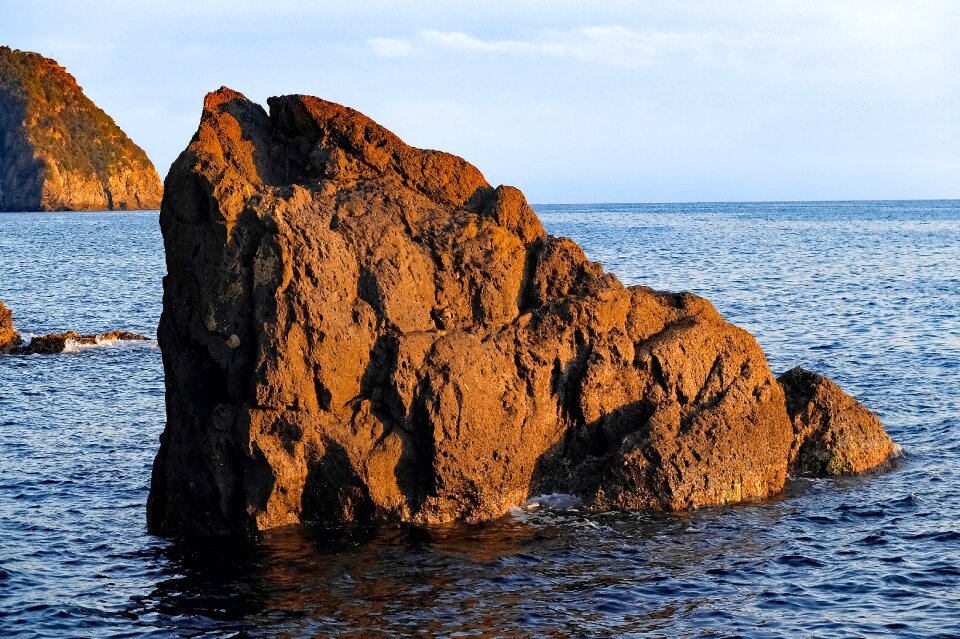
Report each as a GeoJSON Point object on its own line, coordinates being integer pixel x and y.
{"type": "Point", "coordinates": [867, 293]}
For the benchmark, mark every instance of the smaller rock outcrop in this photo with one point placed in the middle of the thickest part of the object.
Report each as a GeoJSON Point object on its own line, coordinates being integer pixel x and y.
{"type": "Point", "coordinates": [9, 338]}
{"type": "Point", "coordinates": [58, 342]}
{"type": "Point", "coordinates": [12, 343]}
{"type": "Point", "coordinates": [834, 434]}
{"type": "Point", "coordinates": [58, 150]}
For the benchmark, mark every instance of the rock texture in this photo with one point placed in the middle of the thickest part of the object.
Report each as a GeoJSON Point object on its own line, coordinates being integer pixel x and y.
{"type": "Point", "coordinates": [9, 338]}
{"type": "Point", "coordinates": [356, 329]}
{"type": "Point", "coordinates": [58, 150]}
{"type": "Point", "coordinates": [834, 434]}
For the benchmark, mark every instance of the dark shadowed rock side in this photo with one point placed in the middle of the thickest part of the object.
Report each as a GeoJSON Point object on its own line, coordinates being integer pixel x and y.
{"type": "Point", "coordinates": [58, 150]}
{"type": "Point", "coordinates": [355, 329]}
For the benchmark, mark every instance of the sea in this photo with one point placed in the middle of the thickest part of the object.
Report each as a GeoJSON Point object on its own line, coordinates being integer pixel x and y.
{"type": "Point", "coordinates": [867, 293]}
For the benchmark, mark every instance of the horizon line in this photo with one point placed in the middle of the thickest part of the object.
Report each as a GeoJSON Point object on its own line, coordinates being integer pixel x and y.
{"type": "Point", "coordinates": [827, 201]}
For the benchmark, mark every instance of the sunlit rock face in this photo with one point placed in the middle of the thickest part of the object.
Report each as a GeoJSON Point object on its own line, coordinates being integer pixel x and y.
{"type": "Point", "coordinates": [58, 150]}
{"type": "Point", "coordinates": [355, 329]}
{"type": "Point", "coordinates": [9, 339]}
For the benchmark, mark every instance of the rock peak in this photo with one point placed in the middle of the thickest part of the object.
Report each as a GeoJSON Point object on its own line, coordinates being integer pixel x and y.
{"type": "Point", "coordinates": [221, 96]}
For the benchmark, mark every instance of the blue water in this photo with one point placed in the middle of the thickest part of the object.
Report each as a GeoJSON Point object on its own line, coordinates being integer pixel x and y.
{"type": "Point", "coordinates": [866, 292]}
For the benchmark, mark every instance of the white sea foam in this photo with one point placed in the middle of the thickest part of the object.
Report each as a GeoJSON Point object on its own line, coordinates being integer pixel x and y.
{"type": "Point", "coordinates": [540, 505]}
{"type": "Point", "coordinates": [558, 501]}
{"type": "Point", "coordinates": [73, 346]}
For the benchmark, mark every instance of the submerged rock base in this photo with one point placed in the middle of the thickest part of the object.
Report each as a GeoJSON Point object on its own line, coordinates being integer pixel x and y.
{"type": "Point", "coordinates": [355, 329]}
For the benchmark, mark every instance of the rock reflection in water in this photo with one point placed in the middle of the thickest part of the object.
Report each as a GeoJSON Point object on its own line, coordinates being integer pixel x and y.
{"type": "Point", "coordinates": [543, 574]}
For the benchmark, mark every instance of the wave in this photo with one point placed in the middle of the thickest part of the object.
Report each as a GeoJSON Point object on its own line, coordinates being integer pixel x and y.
{"type": "Point", "coordinates": [73, 346]}
{"type": "Point", "coordinates": [556, 501]}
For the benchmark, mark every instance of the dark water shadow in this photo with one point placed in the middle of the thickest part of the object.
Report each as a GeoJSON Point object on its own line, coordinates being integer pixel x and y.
{"type": "Point", "coordinates": [530, 575]}
{"type": "Point", "coordinates": [322, 579]}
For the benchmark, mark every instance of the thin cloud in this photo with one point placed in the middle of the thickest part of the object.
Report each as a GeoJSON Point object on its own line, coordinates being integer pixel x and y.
{"type": "Point", "coordinates": [392, 47]}
{"type": "Point", "coordinates": [608, 45]}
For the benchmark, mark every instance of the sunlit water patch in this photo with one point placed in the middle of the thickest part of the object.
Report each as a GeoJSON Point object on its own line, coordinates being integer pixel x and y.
{"type": "Point", "coordinates": [867, 293]}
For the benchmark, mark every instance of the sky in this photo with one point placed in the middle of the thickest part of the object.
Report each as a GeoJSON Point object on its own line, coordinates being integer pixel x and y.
{"type": "Point", "coordinates": [642, 101]}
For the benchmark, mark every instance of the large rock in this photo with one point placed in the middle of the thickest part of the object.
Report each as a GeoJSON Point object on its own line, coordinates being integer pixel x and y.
{"type": "Point", "coordinates": [9, 338]}
{"type": "Point", "coordinates": [58, 150]}
{"type": "Point", "coordinates": [834, 434]}
{"type": "Point", "coordinates": [357, 329]}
